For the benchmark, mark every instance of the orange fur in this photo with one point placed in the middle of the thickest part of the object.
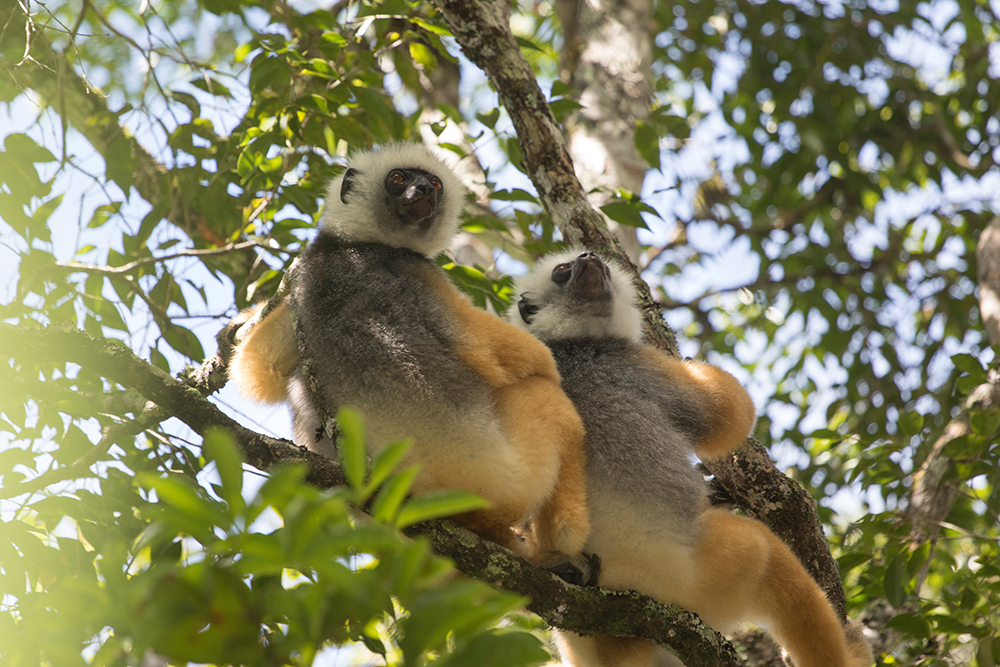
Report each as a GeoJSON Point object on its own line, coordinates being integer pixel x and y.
{"type": "Point", "coordinates": [500, 352]}
{"type": "Point", "coordinates": [736, 571]}
{"type": "Point", "coordinates": [264, 360]}
{"type": "Point", "coordinates": [746, 572]}
{"type": "Point", "coordinates": [540, 421]}
{"type": "Point", "coordinates": [730, 409]}
{"type": "Point", "coordinates": [540, 424]}
{"type": "Point", "coordinates": [543, 429]}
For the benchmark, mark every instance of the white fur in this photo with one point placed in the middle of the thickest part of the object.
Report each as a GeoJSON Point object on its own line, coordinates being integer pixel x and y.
{"type": "Point", "coordinates": [359, 220]}
{"type": "Point", "coordinates": [556, 319]}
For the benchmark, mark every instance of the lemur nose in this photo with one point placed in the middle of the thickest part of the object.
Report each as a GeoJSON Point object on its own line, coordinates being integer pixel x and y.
{"type": "Point", "coordinates": [587, 255]}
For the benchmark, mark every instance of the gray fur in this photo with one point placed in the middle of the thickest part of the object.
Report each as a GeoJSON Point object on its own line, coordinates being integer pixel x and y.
{"type": "Point", "coordinates": [379, 340]}
{"type": "Point", "coordinates": [637, 424]}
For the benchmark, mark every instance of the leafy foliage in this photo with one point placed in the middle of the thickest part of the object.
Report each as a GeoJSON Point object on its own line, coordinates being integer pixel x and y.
{"type": "Point", "coordinates": [168, 565]}
{"type": "Point", "coordinates": [844, 155]}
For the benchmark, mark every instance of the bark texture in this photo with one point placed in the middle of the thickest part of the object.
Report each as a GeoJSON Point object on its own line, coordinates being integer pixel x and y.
{"type": "Point", "coordinates": [607, 58]}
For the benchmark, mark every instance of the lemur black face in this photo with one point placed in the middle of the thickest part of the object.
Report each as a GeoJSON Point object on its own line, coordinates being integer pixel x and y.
{"type": "Point", "coordinates": [587, 278]}
{"type": "Point", "coordinates": [414, 195]}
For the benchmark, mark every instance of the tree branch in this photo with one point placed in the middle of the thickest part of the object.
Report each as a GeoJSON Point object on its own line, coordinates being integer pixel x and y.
{"type": "Point", "coordinates": [62, 343]}
{"type": "Point", "coordinates": [583, 610]}
{"type": "Point", "coordinates": [135, 264]}
{"type": "Point", "coordinates": [482, 28]}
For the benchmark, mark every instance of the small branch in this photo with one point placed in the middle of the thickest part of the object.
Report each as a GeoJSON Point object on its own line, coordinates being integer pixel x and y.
{"type": "Point", "coordinates": [113, 434]}
{"type": "Point", "coordinates": [135, 264]}
{"type": "Point", "coordinates": [48, 73]}
{"type": "Point", "coordinates": [62, 343]}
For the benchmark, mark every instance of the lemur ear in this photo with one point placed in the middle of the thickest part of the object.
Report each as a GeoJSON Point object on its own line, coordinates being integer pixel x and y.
{"type": "Point", "coordinates": [526, 309]}
{"type": "Point", "coordinates": [347, 183]}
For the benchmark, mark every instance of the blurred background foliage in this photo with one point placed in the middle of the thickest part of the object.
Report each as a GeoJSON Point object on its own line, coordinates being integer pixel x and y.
{"type": "Point", "coordinates": [820, 176]}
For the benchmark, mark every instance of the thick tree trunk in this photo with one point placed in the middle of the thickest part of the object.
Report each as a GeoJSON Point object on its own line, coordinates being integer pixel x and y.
{"type": "Point", "coordinates": [607, 59]}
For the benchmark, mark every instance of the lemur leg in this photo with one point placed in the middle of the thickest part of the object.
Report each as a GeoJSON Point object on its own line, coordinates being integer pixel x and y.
{"type": "Point", "coordinates": [263, 361]}
{"type": "Point", "coordinates": [745, 573]}
{"type": "Point", "coordinates": [547, 434]}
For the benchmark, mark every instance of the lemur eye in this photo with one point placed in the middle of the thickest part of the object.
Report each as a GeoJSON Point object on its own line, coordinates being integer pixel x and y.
{"type": "Point", "coordinates": [561, 273]}
{"type": "Point", "coordinates": [397, 177]}
{"type": "Point", "coordinates": [436, 183]}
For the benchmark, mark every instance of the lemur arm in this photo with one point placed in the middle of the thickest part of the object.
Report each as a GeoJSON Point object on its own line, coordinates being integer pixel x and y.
{"type": "Point", "coordinates": [730, 413]}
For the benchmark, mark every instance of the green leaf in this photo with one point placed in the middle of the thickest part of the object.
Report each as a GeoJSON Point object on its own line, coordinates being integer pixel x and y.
{"type": "Point", "coordinates": [984, 422]}
{"type": "Point", "coordinates": [43, 212]}
{"type": "Point", "coordinates": [24, 149]}
{"type": "Point", "coordinates": [212, 86]}
{"type": "Point", "coordinates": [430, 27]}
{"type": "Point", "coordinates": [911, 422]}
{"type": "Point", "coordinates": [914, 625]}
{"type": "Point", "coordinates": [625, 214]}
{"type": "Point", "coordinates": [219, 447]}
{"type": "Point", "coordinates": [647, 142]}
{"type": "Point", "coordinates": [374, 644]}
{"type": "Point", "coordinates": [986, 653]}
{"type": "Point", "coordinates": [184, 341]}
{"type": "Point", "coordinates": [967, 363]}
{"type": "Point", "coordinates": [423, 55]}
{"type": "Point", "coordinates": [563, 106]}
{"type": "Point", "coordinates": [183, 507]}
{"type": "Point", "coordinates": [385, 463]}
{"type": "Point", "coordinates": [527, 44]}
{"type": "Point", "coordinates": [514, 194]}
{"type": "Point", "coordinates": [352, 448]}
{"type": "Point", "coordinates": [499, 648]}
{"type": "Point", "coordinates": [893, 583]}
{"type": "Point", "coordinates": [560, 89]}
{"type": "Point", "coordinates": [437, 504]}
{"type": "Point", "coordinates": [489, 119]}
{"type": "Point", "coordinates": [391, 495]}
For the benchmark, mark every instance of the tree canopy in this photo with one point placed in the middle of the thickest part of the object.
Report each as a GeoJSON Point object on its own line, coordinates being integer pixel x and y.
{"type": "Point", "coordinates": [810, 190]}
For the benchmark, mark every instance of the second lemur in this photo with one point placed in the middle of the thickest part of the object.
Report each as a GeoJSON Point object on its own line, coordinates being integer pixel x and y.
{"type": "Point", "coordinates": [645, 413]}
{"type": "Point", "coordinates": [388, 334]}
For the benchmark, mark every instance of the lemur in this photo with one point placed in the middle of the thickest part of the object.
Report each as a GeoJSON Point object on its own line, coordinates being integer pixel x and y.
{"type": "Point", "coordinates": [387, 333]}
{"type": "Point", "coordinates": [652, 526]}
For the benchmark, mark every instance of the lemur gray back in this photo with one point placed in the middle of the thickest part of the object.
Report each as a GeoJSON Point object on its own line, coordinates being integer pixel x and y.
{"type": "Point", "coordinates": [639, 426]}
{"type": "Point", "coordinates": [375, 334]}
